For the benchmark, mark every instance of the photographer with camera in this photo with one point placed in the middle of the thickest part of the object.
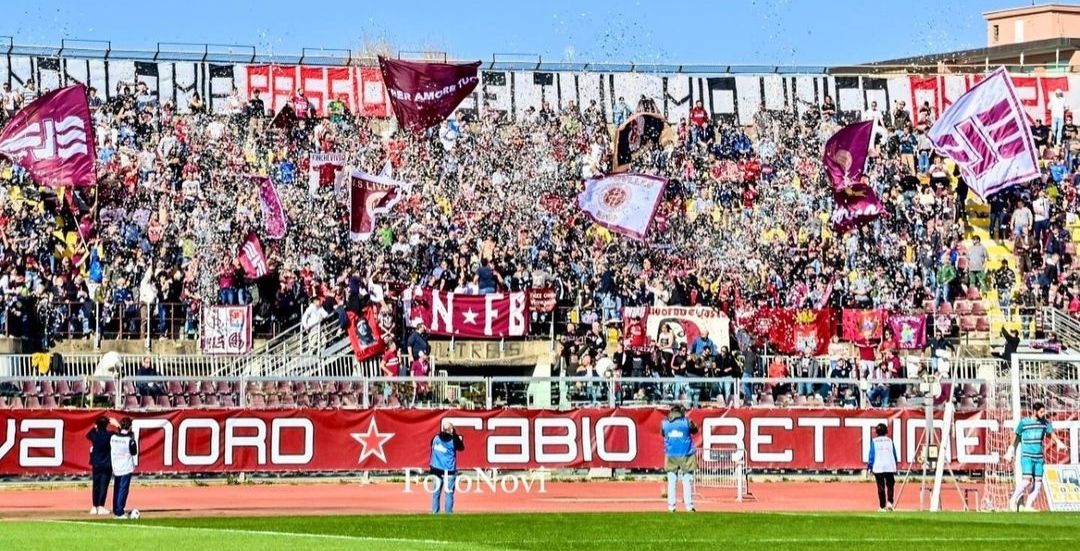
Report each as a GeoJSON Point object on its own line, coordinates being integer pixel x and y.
{"type": "Point", "coordinates": [680, 455]}
{"type": "Point", "coordinates": [444, 449]}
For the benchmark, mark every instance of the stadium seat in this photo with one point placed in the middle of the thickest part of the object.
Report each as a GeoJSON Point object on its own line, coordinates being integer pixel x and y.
{"type": "Point", "coordinates": [962, 308]}
{"type": "Point", "coordinates": [929, 305]}
{"type": "Point", "coordinates": [29, 388]}
{"type": "Point", "coordinates": [982, 323]}
{"type": "Point", "coordinates": [258, 401]}
{"type": "Point", "coordinates": [224, 387]}
{"type": "Point", "coordinates": [288, 401]}
{"type": "Point", "coordinates": [32, 402]}
{"type": "Point", "coordinates": [110, 387]}
{"type": "Point", "coordinates": [78, 387]}
{"type": "Point", "coordinates": [211, 401]}
{"type": "Point", "coordinates": [944, 309]}
{"type": "Point", "coordinates": [48, 401]}
{"type": "Point", "coordinates": [129, 387]}
{"type": "Point", "coordinates": [334, 401]}
{"type": "Point", "coordinates": [195, 401]}
{"type": "Point", "coordinates": [766, 400]}
{"type": "Point", "coordinates": [175, 388]}
{"type": "Point", "coordinates": [799, 400]}
{"type": "Point", "coordinates": [978, 308]}
{"type": "Point", "coordinates": [4, 402]}
{"type": "Point", "coordinates": [968, 323]}
{"type": "Point", "coordinates": [191, 388]}
{"type": "Point", "coordinates": [16, 402]}
{"type": "Point", "coordinates": [966, 403]}
{"type": "Point", "coordinates": [973, 293]}
{"type": "Point", "coordinates": [62, 389]}
{"type": "Point", "coordinates": [163, 402]}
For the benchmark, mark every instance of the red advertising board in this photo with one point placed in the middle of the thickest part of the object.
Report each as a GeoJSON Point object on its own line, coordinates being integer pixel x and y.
{"type": "Point", "coordinates": [39, 442]}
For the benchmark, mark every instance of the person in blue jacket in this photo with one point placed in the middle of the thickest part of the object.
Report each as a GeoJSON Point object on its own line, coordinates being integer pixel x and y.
{"type": "Point", "coordinates": [444, 449]}
{"type": "Point", "coordinates": [680, 455]}
{"type": "Point", "coordinates": [100, 463]}
{"type": "Point", "coordinates": [882, 462]}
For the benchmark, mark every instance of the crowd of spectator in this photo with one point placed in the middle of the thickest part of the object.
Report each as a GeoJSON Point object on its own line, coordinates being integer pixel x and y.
{"type": "Point", "coordinates": [745, 219]}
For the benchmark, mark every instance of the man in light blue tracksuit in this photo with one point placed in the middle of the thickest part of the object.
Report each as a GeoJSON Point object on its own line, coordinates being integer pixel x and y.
{"type": "Point", "coordinates": [444, 449]}
{"type": "Point", "coordinates": [680, 455]}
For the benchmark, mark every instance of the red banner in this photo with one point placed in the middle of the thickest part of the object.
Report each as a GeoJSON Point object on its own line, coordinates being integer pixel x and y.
{"type": "Point", "coordinates": [490, 316]}
{"type": "Point", "coordinates": [909, 331]}
{"type": "Point", "coordinates": [371, 195]}
{"type": "Point", "coordinates": [792, 331]}
{"type": "Point", "coordinates": [424, 94]}
{"type": "Point", "coordinates": [863, 326]}
{"type": "Point", "coordinates": [52, 442]}
{"type": "Point", "coordinates": [52, 137]}
{"type": "Point", "coordinates": [542, 300]}
{"type": "Point", "coordinates": [365, 334]}
{"type": "Point", "coordinates": [251, 257]}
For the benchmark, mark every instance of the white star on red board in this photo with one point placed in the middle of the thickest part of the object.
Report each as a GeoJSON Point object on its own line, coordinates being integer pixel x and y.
{"type": "Point", "coordinates": [470, 316]}
{"type": "Point", "coordinates": [372, 442]}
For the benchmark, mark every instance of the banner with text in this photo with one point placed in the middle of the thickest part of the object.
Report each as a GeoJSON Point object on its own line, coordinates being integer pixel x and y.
{"type": "Point", "coordinates": [226, 330]}
{"type": "Point", "coordinates": [490, 316]}
{"type": "Point", "coordinates": [53, 442]}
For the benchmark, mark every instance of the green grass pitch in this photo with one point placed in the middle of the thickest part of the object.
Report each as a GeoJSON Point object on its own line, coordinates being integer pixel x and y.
{"type": "Point", "coordinates": [659, 531]}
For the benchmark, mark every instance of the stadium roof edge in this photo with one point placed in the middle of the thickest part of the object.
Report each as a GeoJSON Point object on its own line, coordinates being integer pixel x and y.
{"type": "Point", "coordinates": [976, 56]}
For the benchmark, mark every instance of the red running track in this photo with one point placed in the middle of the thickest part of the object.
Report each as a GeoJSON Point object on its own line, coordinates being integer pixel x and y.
{"type": "Point", "coordinates": [390, 498]}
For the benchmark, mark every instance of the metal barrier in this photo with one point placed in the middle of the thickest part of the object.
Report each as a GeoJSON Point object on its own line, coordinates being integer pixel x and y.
{"type": "Point", "coordinates": [76, 48]}
{"type": "Point", "coordinates": [442, 392]}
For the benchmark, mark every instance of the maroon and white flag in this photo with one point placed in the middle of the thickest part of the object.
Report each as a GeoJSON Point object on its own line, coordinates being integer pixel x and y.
{"type": "Point", "coordinates": [424, 94]}
{"type": "Point", "coordinates": [490, 316]}
{"type": "Point", "coordinates": [369, 196]}
{"type": "Point", "coordinates": [251, 257]}
{"type": "Point", "coordinates": [53, 139]}
{"type": "Point", "coordinates": [273, 212]}
{"type": "Point", "coordinates": [326, 169]}
{"type": "Point", "coordinates": [986, 133]}
{"type": "Point", "coordinates": [623, 203]}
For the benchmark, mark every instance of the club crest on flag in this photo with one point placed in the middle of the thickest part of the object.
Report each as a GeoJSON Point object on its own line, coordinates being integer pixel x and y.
{"type": "Point", "coordinates": [624, 203]}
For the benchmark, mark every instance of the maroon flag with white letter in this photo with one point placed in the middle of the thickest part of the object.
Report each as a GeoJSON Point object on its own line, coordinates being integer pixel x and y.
{"type": "Point", "coordinates": [53, 139]}
{"type": "Point", "coordinates": [490, 316]}
{"type": "Point", "coordinates": [251, 257]}
{"type": "Point", "coordinates": [423, 94]}
{"type": "Point", "coordinates": [370, 195]}
{"type": "Point", "coordinates": [986, 133]}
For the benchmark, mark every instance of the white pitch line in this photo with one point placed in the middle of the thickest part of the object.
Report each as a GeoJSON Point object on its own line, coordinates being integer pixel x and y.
{"type": "Point", "coordinates": [136, 524]}
{"type": "Point", "coordinates": [789, 540]}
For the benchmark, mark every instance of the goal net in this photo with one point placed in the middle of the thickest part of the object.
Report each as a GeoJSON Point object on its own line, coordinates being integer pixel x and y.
{"type": "Point", "coordinates": [1047, 378]}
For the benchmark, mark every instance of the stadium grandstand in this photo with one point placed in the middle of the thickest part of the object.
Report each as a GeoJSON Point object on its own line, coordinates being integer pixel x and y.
{"type": "Point", "coordinates": [222, 262]}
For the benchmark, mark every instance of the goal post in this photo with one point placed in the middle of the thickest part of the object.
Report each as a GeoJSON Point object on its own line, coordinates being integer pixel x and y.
{"type": "Point", "coordinates": [1051, 379]}
{"type": "Point", "coordinates": [723, 467]}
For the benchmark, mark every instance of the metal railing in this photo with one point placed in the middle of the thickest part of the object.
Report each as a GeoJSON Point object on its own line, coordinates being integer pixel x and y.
{"type": "Point", "coordinates": [442, 392]}
{"type": "Point", "coordinates": [74, 48]}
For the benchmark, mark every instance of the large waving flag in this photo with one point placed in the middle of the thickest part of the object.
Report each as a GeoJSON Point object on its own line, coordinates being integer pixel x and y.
{"type": "Point", "coordinates": [423, 94]}
{"type": "Point", "coordinates": [53, 139]}
{"type": "Point", "coordinates": [274, 218]}
{"type": "Point", "coordinates": [854, 202]}
{"type": "Point", "coordinates": [371, 195]}
{"type": "Point", "coordinates": [986, 133]}
{"type": "Point", "coordinates": [623, 203]}
{"type": "Point", "coordinates": [634, 135]}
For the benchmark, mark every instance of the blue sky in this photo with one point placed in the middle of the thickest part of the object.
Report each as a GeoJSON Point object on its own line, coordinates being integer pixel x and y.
{"type": "Point", "coordinates": [773, 32]}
